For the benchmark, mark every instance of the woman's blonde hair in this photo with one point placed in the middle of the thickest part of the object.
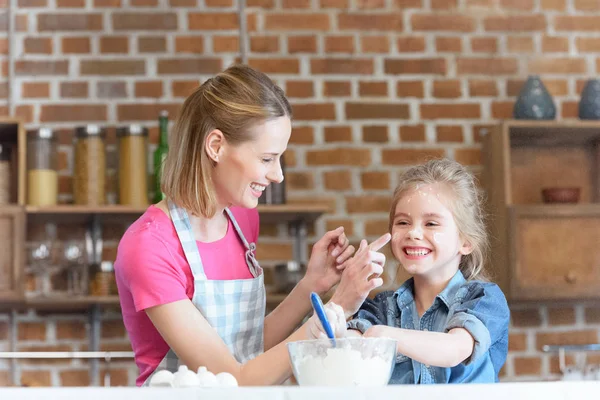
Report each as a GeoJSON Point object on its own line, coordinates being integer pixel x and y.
{"type": "Point", "coordinates": [232, 101]}
{"type": "Point", "coordinates": [466, 205]}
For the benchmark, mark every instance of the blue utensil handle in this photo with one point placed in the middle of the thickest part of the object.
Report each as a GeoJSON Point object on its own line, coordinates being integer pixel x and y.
{"type": "Point", "coordinates": [320, 311]}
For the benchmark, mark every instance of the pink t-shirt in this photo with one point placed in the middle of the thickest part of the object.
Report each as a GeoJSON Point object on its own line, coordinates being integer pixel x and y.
{"type": "Point", "coordinates": [151, 269]}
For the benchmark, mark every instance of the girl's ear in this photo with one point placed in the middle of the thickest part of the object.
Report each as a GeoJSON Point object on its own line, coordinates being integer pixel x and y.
{"type": "Point", "coordinates": [466, 248]}
{"type": "Point", "coordinates": [214, 144]}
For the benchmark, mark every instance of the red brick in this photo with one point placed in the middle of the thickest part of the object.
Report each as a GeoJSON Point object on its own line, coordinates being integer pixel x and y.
{"type": "Point", "coordinates": [592, 315]}
{"type": "Point", "coordinates": [107, 3]}
{"type": "Point", "coordinates": [73, 89]}
{"type": "Point", "coordinates": [32, 3]}
{"type": "Point", "coordinates": [339, 44]}
{"type": "Point", "coordinates": [35, 90]}
{"type": "Point", "coordinates": [337, 180]}
{"type": "Point", "coordinates": [519, 44]}
{"type": "Point", "coordinates": [451, 111]}
{"type": "Point", "coordinates": [484, 44]}
{"type": "Point", "coordinates": [302, 135]}
{"type": "Point", "coordinates": [444, 4]}
{"type": "Point", "coordinates": [415, 66]}
{"type": "Point", "coordinates": [449, 133]}
{"type": "Point", "coordinates": [25, 113]}
{"type": "Point", "coordinates": [337, 88]}
{"type": "Point", "coordinates": [562, 65]}
{"type": "Point", "coordinates": [370, 110]}
{"type": "Point", "coordinates": [404, 4]}
{"type": "Point", "coordinates": [482, 88]}
{"type": "Point", "coordinates": [375, 180]}
{"type": "Point", "coordinates": [373, 89]}
{"type": "Point", "coordinates": [39, 68]}
{"type": "Point", "coordinates": [555, 5]}
{"type": "Point", "coordinates": [370, 22]}
{"type": "Point", "coordinates": [143, 3]}
{"type": "Point", "coordinates": [195, 65]}
{"type": "Point", "coordinates": [561, 316]}
{"type": "Point", "coordinates": [556, 44]}
{"type": "Point", "coordinates": [340, 4]}
{"type": "Point", "coordinates": [375, 134]}
{"type": "Point", "coordinates": [113, 67]}
{"type": "Point", "coordinates": [183, 3]}
{"type": "Point", "coordinates": [337, 134]}
{"type": "Point", "coordinates": [448, 44]}
{"type": "Point", "coordinates": [348, 225]}
{"type": "Point", "coordinates": [442, 22]}
{"type": "Point", "coordinates": [75, 378]}
{"type": "Point", "coordinates": [213, 21]}
{"type": "Point", "coordinates": [410, 89]}
{"type": "Point", "coordinates": [375, 227]}
{"type": "Point", "coordinates": [76, 45]}
{"type": "Point", "coordinates": [587, 45]}
{"type": "Point", "coordinates": [515, 23]}
{"type": "Point", "coordinates": [341, 66]}
{"type": "Point", "coordinates": [302, 44]}
{"type": "Point", "coordinates": [38, 45]}
{"type": "Point", "coordinates": [31, 331]}
{"type": "Point", "coordinates": [487, 66]}
{"type": "Point", "coordinates": [410, 44]}
{"type": "Point", "coordinates": [570, 109]}
{"type": "Point", "coordinates": [556, 87]}
{"type": "Point", "coordinates": [366, 204]}
{"type": "Point", "coordinates": [375, 44]}
{"type": "Point", "coordinates": [409, 156]}
{"type": "Point", "coordinates": [529, 317]}
{"type": "Point", "coordinates": [144, 112]}
{"type": "Point", "coordinates": [468, 156]}
{"type": "Point", "coordinates": [573, 337]}
{"type": "Point", "coordinates": [70, 330]}
{"type": "Point", "coordinates": [183, 88]}
{"type": "Point", "coordinates": [523, 5]}
{"type": "Point", "coordinates": [152, 44]}
{"type": "Point", "coordinates": [276, 65]}
{"type": "Point", "coordinates": [138, 21]}
{"type": "Point", "coordinates": [412, 133]}
{"type": "Point", "coordinates": [226, 44]}
{"type": "Point", "coordinates": [587, 5]}
{"type": "Point", "coordinates": [114, 44]}
{"type": "Point", "coordinates": [314, 112]}
{"type": "Point", "coordinates": [517, 342]}
{"type": "Point", "coordinates": [261, 3]}
{"type": "Point", "coordinates": [189, 44]}
{"type": "Point", "coordinates": [370, 4]}
{"type": "Point", "coordinates": [447, 89]}
{"type": "Point", "coordinates": [300, 89]}
{"type": "Point", "coordinates": [300, 180]}
{"type": "Point", "coordinates": [529, 366]}
{"type": "Point", "coordinates": [153, 89]}
{"type": "Point", "coordinates": [578, 23]}
{"type": "Point", "coordinates": [297, 21]}
{"type": "Point", "coordinates": [218, 3]}
{"type": "Point", "coordinates": [502, 109]}
{"type": "Point", "coordinates": [264, 44]}
{"type": "Point", "coordinates": [35, 378]}
{"type": "Point", "coordinates": [73, 112]}
{"type": "Point", "coordinates": [339, 156]}
{"type": "Point", "coordinates": [69, 22]}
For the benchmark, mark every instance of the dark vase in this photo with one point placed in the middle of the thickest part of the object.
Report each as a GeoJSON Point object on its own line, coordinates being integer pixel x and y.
{"type": "Point", "coordinates": [589, 105]}
{"type": "Point", "coordinates": [534, 101]}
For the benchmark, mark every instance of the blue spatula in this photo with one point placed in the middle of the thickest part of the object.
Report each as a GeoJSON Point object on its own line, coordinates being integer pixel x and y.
{"type": "Point", "coordinates": [318, 307]}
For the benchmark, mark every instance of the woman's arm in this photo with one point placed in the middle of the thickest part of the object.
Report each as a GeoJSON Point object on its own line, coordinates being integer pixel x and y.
{"type": "Point", "coordinates": [431, 348]}
{"type": "Point", "coordinates": [197, 344]}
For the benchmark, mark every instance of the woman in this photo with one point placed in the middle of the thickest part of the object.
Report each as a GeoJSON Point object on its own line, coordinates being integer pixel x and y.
{"type": "Point", "coordinates": [191, 290]}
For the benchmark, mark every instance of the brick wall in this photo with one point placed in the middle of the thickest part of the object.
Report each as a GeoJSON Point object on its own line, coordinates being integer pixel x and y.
{"type": "Point", "coordinates": [376, 85]}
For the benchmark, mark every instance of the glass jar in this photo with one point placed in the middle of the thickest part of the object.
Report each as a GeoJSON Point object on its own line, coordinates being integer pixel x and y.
{"type": "Point", "coordinates": [5, 177]}
{"type": "Point", "coordinates": [89, 172]}
{"type": "Point", "coordinates": [102, 282]}
{"type": "Point", "coordinates": [42, 174]}
{"type": "Point", "coordinates": [133, 165]}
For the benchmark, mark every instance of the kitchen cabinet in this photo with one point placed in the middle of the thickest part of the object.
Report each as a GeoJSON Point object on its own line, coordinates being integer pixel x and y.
{"type": "Point", "coordinates": [544, 251]}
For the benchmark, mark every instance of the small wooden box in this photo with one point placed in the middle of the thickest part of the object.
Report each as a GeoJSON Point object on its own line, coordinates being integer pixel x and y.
{"type": "Point", "coordinates": [12, 135]}
{"type": "Point", "coordinates": [12, 257]}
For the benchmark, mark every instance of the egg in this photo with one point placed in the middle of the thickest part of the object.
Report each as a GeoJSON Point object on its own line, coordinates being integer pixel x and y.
{"type": "Point", "coordinates": [185, 378]}
{"type": "Point", "coordinates": [226, 380]}
{"type": "Point", "coordinates": [206, 378]}
{"type": "Point", "coordinates": [162, 378]}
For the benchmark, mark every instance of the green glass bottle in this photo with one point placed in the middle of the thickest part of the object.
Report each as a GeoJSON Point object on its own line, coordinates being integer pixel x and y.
{"type": "Point", "coordinates": [161, 153]}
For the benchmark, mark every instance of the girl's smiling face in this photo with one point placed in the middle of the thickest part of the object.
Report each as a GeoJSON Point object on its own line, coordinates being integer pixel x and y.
{"type": "Point", "coordinates": [425, 238]}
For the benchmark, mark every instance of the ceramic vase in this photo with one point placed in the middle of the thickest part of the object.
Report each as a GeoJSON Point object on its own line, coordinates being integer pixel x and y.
{"type": "Point", "coordinates": [534, 101]}
{"type": "Point", "coordinates": [589, 105]}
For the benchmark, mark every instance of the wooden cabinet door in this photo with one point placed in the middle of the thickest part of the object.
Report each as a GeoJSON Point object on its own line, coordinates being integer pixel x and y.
{"type": "Point", "coordinates": [555, 252]}
{"type": "Point", "coordinates": [12, 242]}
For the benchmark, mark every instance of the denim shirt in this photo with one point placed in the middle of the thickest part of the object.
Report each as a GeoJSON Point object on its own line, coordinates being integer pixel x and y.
{"type": "Point", "coordinates": [479, 307]}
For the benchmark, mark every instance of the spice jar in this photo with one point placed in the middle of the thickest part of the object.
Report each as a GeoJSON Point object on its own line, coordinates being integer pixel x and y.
{"type": "Point", "coordinates": [4, 174]}
{"type": "Point", "coordinates": [42, 176]}
{"type": "Point", "coordinates": [103, 281]}
{"type": "Point", "coordinates": [133, 164]}
{"type": "Point", "coordinates": [90, 166]}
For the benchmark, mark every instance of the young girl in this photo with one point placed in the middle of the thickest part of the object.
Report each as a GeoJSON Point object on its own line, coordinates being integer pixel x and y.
{"type": "Point", "coordinates": [450, 323]}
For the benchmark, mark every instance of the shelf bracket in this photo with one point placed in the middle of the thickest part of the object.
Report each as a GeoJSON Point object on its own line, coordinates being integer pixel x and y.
{"type": "Point", "coordinates": [299, 233]}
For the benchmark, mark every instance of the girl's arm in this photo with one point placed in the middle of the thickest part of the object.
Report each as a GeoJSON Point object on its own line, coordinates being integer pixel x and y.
{"type": "Point", "coordinates": [431, 348]}
{"type": "Point", "coordinates": [197, 344]}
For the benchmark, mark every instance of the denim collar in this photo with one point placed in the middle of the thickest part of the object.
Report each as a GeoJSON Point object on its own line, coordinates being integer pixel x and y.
{"type": "Point", "coordinates": [405, 294]}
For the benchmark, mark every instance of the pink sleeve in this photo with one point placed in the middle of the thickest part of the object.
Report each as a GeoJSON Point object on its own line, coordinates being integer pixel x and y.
{"type": "Point", "coordinates": [149, 270]}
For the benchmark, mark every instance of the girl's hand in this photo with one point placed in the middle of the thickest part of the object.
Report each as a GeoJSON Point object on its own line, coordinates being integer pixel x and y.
{"type": "Point", "coordinates": [336, 318]}
{"type": "Point", "coordinates": [378, 331]}
{"type": "Point", "coordinates": [361, 275]}
{"type": "Point", "coordinates": [327, 259]}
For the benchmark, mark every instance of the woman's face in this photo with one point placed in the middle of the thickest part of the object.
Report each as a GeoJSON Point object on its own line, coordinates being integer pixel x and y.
{"type": "Point", "coordinates": [244, 171]}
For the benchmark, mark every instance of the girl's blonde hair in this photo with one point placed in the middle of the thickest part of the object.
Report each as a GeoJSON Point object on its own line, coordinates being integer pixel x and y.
{"type": "Point", "coordinates": [232, 101]}
{"type": "Point", "coordinates": [466, 205]}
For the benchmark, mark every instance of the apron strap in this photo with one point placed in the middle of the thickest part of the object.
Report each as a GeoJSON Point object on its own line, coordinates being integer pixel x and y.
{"type": "Point", "coordinates": [253, 265]}
{"type": "Point", "coordinates": [183, 227]}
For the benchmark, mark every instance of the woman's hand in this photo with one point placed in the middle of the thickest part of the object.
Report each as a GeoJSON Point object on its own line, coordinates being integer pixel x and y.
{"type": "Point", "coordinates": [361, 275]}
{"type": "Point", "coordinates": [327, 260]}
{"type": "Point", "coordinates": [337, 320]}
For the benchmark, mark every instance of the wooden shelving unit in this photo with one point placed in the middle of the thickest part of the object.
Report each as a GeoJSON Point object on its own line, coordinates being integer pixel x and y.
{"type": "Point", "coordinates": [544, 251]}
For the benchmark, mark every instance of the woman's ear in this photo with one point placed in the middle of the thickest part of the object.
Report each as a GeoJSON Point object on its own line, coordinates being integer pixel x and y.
{"type": "Point", "coordinates": [214, 143]}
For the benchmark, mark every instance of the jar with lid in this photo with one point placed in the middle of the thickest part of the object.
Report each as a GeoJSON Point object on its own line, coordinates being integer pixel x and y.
{"type": "Point", "coordinates": [42, 174]}
{"type": "Point", "coordinates": [133, 165]}
{"type": "Point", "coordinates": [5, 176]}
{"type": "Point", "coordinates": [89, 173]}
{"type": "Point", "coordinates": [103, 281]}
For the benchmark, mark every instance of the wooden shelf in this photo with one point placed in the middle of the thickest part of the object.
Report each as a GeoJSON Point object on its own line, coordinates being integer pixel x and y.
{"type": "Point", "coordinates": [556, 210]}
{"type": "Point", "coordinates": [76, 209]}
{"type": "Point", "coordinates": [291, 212]}
{"type": "Point", "coordinates": [552, 133]}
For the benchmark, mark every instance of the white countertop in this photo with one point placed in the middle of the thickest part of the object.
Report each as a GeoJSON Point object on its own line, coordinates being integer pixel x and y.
{"type": "Point", "coordinates": [500, 391]}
